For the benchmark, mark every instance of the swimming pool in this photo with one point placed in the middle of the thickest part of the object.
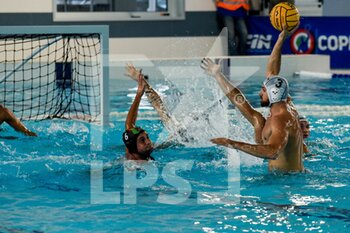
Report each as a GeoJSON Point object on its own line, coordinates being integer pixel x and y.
{"type": "Point", "coordinates": [45, 182]}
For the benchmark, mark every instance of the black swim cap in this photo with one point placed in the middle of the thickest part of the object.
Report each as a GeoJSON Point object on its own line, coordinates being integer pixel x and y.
{"type": "Point", "coordinates": [302, 118]}
{"type": "Point", "coordinates": [130, 138]}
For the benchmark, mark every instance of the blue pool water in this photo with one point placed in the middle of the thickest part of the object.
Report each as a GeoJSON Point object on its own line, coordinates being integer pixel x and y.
{"type": "Point", "coordinates": [45, 183]}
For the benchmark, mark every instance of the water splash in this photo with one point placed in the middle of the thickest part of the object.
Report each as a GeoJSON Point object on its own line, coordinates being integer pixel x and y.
{"type": "Point", "coordinates": [199, 111]}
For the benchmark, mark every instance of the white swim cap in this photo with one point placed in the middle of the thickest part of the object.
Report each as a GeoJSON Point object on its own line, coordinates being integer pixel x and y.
{"type": "Point", "coordinates": [277, 89]}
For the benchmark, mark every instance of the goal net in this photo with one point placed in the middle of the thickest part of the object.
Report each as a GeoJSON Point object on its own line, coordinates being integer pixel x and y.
{"type": "Point", "coordinates": [53, 75]}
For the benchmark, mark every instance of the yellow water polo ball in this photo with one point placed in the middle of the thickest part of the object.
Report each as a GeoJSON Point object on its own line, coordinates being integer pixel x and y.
{"type": "Point", "coordinates": [284, 13]}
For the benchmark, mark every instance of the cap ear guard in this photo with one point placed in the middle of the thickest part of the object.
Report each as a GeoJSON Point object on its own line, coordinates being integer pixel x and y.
{"type": "Point", "coordinates": [130, 138]}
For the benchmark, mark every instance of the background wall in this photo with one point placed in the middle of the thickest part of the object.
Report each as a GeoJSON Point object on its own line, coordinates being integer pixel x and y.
{"type": "Point", "coordinates": [153, 39]}
{"type": "Point", "coordinates": [193, 36]}
{"type": "Point", "coordinates": [28, 6]}
{"type": "Point", "coordinates": [336, 8]}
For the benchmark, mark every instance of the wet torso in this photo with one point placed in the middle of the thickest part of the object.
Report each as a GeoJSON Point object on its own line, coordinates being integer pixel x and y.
{"type": "Point", "coordinates": [290, 158]}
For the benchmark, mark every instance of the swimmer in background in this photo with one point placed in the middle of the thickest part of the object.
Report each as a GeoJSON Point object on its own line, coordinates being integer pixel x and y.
{"type": "Point", "coordinates": [305, 129]}
{"type": "Point", "coordinates": [278, 137]}
{"type": "Point", "coordinates": [6, 115]}
{"type": "Point", "coordinates": [305, 126]}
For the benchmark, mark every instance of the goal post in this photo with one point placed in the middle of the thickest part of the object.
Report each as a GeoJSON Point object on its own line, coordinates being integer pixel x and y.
{"type": "Point", "coordinates": [55, 72]}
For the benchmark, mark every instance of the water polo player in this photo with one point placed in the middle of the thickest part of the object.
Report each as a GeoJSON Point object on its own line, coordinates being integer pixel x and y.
{"type": "Point", "coordinates": [138, 144]}
{"type": "Point", "coordinates": [278, 137]}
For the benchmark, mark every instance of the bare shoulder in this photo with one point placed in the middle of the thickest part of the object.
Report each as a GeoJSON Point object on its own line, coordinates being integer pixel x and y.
{"type": "Point", "coordinates": [284, 119]}
{"type": "Point", "coordinates": [279, 120]}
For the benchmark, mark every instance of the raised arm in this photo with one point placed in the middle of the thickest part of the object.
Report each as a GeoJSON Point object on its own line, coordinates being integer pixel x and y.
{"type": "Point", "coordinates": [152, 97]}
{"type": "Point", "coordinates": [8, 116]}
{"type": "Point", "coordinates": [132, 114]}
{"type": "Point", "coordinates": [270, 150]}
{"type": "Point", "coordinates": [274, 63]}
{"type": "Point", "coordinates": [236, 97]}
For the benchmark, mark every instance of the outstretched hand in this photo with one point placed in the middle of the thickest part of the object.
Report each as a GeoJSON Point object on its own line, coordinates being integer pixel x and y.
{"type": "Point", "coordinates": [30, 133]}
{"type": "Point", "coordinates": [132, 72]}
{"type": "Point", "coordinates": [210, 67]}
{"type": "Point", "coordinates": [285, 33]}
{"type": "Point", "coordinates": [221, 141]}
